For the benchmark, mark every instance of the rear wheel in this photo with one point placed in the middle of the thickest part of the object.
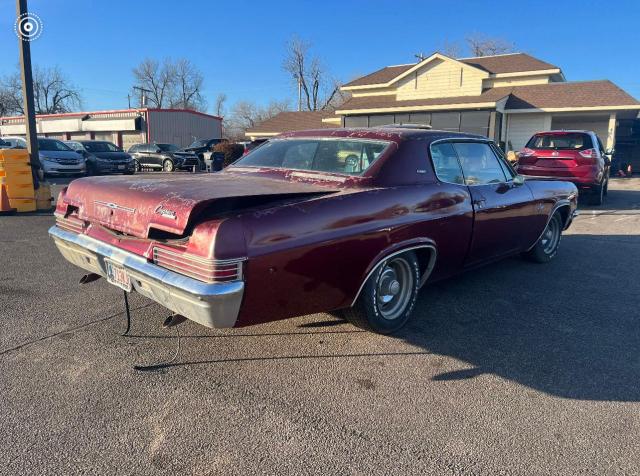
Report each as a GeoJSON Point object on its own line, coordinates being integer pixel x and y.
{"type": "Point", "coordinates": [388, 296]}
{"type": "Point", "coordinates": [168, 166]}
{"type": "Point", "coordinates": [596, 196]}
{"type": "Point", "coordinates": [547, 245]}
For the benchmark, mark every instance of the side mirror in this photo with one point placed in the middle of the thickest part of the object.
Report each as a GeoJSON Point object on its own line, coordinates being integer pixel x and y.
{"type": "Point", "coordinates": [518, 180]}
{"type": "Point", "coordinates": [610, 152]}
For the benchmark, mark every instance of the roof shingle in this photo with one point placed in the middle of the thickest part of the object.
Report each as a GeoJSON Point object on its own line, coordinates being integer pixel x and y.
{"type": "Point", "coordinates": [509, 63]}
{"type": "Point", "coordinates": [293, 121]}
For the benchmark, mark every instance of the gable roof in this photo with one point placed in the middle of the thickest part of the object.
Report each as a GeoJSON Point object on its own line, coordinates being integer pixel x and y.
{"type": "Point", "coordinates": [507, 63]}
{"type": "Point", "coordinates": [293, 121]}
{"type": "Point", "coordinates": [382, 75]}
{"type": "Point", "coordinates": [566, 95]}
{"type": "Point", "coordinates": [364, 103]}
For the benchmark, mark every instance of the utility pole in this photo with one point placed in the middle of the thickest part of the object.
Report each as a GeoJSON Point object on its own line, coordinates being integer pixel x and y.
{"type": "Point", "coordinates": [27, 86]}
{"type": "Point", "coordinates": [143, 101]}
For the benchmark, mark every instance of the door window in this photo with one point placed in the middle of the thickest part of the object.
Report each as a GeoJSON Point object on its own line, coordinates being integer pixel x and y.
{"type": "Point", "coordinates": [445, 163]}
{"type": "Point", "coordinates": [479, 163]}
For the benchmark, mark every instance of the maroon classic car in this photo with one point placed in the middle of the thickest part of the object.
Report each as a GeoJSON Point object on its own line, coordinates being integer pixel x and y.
{"type": "Point", "coordinates": [356, 220]}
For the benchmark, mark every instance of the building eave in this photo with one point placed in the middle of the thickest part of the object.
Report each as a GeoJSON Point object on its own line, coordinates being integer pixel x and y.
{"type": "Point", "coordinates": [574, 109]}
{"type": "Point", "coordinates": [433, 107]}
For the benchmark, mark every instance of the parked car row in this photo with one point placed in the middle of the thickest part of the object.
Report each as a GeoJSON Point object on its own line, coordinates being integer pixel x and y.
{"type": "Point", "coordinates": [95, 157]}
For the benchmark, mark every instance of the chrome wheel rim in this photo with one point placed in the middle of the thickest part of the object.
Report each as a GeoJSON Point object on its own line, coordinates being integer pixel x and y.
{"type": "Point", "coordinates": [168, 166]}
{"type": "Point", "coordinates": [551, 236]}
{"type": "Point", "coordinates": [394, 288]}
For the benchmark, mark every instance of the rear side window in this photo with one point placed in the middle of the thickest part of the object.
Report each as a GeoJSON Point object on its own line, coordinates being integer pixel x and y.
{"type": "Point", "coordinates": [479, 163]}
{"type": "Point", "coordinates": [561, 141]}
{"type": "Point", "coordinates": [445, 163]}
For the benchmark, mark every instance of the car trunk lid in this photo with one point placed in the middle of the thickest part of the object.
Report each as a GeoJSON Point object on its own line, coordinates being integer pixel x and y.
{"type": "Point", "coordinates": [135, 205]}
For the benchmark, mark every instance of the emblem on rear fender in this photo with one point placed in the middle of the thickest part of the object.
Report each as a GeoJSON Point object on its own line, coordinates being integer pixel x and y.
{"type": "Point", "coordinates": [165, 212]}
{"type": "Point", "coordinates": [114, 206]}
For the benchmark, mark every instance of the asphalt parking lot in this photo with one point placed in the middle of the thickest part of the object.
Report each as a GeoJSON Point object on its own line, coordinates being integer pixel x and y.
{"type": "Point", "coordinates": [516, 368]}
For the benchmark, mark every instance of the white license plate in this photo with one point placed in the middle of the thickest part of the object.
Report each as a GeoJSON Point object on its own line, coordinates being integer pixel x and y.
{"type": "Point", "coordinates": [120, 167]}
{"type": "Point", "coordinates": [117, 275]}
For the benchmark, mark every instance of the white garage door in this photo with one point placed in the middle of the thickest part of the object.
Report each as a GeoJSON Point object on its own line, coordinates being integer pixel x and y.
{"type": "Point", "coordinates": [597, 124]}
{"type": "Point", "coordinates": [520, 128]}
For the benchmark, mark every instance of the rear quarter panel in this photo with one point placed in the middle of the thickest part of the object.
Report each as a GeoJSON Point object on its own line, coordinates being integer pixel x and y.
{"type": "Point", "coordinates": [313, 256]}
{"type": "Point", "coordinates": [549, 194]}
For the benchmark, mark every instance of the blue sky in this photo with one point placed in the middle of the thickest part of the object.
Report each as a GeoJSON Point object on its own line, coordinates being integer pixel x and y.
{"type": "Point", "coordinates": [239, 45]}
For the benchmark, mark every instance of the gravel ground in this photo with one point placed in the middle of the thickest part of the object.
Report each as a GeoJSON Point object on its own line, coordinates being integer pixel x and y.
{"type": "Point", "coordinates": [515, 368]}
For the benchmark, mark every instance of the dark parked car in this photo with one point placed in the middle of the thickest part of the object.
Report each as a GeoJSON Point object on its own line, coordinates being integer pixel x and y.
{"type": "Point", "coordinates": [575, 156]}
{"type": "Point", "coordinates": [200, 146]}
{"type": "Point", "coordinates": [103, 157]}
{"type": "Point", "coordinates": [167, 157]}
{"type": "Point", "coordinates": [314, 221]}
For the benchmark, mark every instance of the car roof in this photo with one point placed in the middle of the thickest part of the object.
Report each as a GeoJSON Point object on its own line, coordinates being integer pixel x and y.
{"type": "Point", "coordinates": [395, 134]}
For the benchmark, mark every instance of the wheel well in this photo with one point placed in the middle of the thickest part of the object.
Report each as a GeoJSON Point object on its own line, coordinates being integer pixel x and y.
{"type": "Point", "coordinates": [426, 261]}
{"type": "Point", "coordinates": [564, 213]}
{"type": "Point", "coordinates": [426, 256]}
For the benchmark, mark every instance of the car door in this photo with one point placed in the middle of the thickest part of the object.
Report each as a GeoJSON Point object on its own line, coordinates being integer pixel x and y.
{"type": "Point", "coordinates": [503, 208]}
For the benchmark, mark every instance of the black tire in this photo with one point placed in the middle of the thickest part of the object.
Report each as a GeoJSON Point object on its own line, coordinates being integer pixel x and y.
{"type": "Point", "coordinates": [91, 170]}
{"type": "Point", "coordinates": [596, 196]}
{"type": "Point", "coordinates": [606, 187]}
{"type": "Point", "coordinates": [168, 165]}
{"type": "Point", "coordinates": [547, 245]}
{"type": "Point", "coordinates": [399, 277]}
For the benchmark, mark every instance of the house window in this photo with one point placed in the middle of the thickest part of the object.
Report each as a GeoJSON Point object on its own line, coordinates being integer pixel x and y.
{"type": "Point", "coordinates": [420, 118]}
{"type": "Point", "coordinates": [356, 121]}
{"type": "Point", "coordinates": [446, 121]}
{"type": "Point", "coordinates": [475, 122]}
{"type": "Point", "coordinates": [403, 119]}
{"type": "Point", "coordinates": [380, 120]}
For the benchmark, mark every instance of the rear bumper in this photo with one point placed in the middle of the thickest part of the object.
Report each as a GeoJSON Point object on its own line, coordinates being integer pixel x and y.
{"type": "Point", "coordinates": [590, 178]}
{"type": "Point", "coordinates": [211, 304]}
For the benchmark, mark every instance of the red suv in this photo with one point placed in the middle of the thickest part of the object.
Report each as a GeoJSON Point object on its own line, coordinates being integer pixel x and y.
{"type": "Point", "coordinates": [574, 156]}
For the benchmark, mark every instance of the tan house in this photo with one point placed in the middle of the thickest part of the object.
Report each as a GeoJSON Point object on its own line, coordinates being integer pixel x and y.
{"type": "Point", "coordinates": [505, 97]}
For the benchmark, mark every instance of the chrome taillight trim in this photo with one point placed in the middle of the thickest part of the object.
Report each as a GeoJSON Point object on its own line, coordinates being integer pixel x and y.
{"type": "Point", "coordinates": [69, 224]}
{"type": "Point", "coordinates": [203, 269]}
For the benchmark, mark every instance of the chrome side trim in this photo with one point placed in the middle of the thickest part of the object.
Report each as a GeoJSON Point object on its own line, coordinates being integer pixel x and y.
{"type": "Point", "coordinates": [423, 279]}
{"type": "Point", "coordinates": [210, 304]}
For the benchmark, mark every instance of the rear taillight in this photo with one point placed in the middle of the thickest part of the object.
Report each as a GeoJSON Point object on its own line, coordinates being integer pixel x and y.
{"type": "Point", "coordinates": [588, 153]}
{"type": "Point", "coordinates": [526, 152]}
{"type": "Point", "coordinates": [74, 225]}
{"type": "Point", "coordinates": [202, 269]}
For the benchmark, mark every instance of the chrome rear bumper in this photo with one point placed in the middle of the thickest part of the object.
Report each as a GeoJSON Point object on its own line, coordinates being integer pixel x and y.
{"type": "Point", "coordinates": [210, 304]}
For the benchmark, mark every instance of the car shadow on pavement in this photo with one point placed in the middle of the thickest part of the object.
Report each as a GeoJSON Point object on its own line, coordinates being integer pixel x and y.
{"type": "Point", "coordinates": [569, 328]}
{"type": "Point", "coordinates": [616, 200]}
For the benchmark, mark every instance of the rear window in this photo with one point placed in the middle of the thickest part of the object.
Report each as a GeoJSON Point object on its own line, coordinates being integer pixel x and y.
{"type": "Point", "coordinates": [342, 156]}
{"type": "Point", "coordinates": [561, 141]}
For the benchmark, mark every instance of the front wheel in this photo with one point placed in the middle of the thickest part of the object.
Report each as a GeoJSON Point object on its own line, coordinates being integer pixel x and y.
{"type": "Point", "coordinates": [388, 296]}
{"type": "Point", "coordinates": [168, 166]}
{"type": "Point", "coordinates": [547, 245]}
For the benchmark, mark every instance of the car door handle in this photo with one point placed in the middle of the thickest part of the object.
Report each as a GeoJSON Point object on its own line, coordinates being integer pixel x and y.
{"type": "Point", "coordinates": [479, 202]}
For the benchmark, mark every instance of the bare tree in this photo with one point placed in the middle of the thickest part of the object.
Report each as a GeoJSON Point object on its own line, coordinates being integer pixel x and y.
{"type": "Point", "coordinates": [318, 90]}
{"type": "Point", "coordinates": [53, 93]}
{"type": "Point", "coordinates": [219, 107]}
{"type": "Point", "coordinates": [172, 83]}
{"type": "Point", "coordinates": [186, 92]}
{"type": "Point", "coordinates": [481, 45]}
{"type": "Point", "coordinates": [158, 79]}
{"type": "Point", "coordinates": [246, 115]}
{"type": "Point", "coordinates": [451, 49]}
